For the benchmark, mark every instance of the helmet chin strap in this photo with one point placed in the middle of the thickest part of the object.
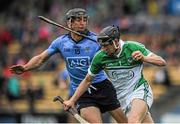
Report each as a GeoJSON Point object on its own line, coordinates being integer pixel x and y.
{"type": "Point", "coordinates": [70, 23]}
{"type": "Point", "coordinates": [116, 46]}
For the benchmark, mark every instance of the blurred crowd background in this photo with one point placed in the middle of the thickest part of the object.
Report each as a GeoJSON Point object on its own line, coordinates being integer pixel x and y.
{"type": "Point", "coordinates": [155, 23]}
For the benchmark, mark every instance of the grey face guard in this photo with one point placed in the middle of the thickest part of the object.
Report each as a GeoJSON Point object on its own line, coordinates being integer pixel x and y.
{"type": "Point", "coordinates": [105, 40]}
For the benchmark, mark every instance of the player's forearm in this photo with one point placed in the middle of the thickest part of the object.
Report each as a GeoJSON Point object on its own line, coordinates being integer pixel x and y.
{"type": "Point", "coordinates": [156, 60]}
{"type": "Point", "coordinates": [81, 89]}
{"type": "Point", "coordinates": [34, 63]}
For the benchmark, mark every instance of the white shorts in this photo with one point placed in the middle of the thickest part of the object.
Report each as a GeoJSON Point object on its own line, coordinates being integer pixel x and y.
{"type": "Point", "coordinates": [143, 92]}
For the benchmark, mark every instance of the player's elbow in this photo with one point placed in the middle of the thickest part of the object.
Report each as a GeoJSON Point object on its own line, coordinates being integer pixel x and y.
{"type": "Point", "coordinates": [39, 61]}
{"type": "Point", "coordinates": [88, 79]}
{"type": "Point", "coordinates": [88, 82]}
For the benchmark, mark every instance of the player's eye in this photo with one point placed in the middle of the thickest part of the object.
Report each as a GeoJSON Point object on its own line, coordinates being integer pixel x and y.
{"type": "Point", "coordinates": [84, 19]}
{"type": "Point", "coordinates": [78, 19]}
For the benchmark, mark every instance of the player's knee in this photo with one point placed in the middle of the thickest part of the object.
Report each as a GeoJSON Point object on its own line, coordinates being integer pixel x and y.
{"type": "Point", "coordinates": [92, 119]}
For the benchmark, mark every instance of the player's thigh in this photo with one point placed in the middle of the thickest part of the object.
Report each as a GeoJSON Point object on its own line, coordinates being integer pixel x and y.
{"type": "Point", "coordinates": [92, 114]}
{"type": "Point", "coordinates": [138, 110]}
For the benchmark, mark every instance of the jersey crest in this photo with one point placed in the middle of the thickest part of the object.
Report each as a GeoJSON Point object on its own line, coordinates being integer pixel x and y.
{"type": "Point", "coordinates": [120, 75]}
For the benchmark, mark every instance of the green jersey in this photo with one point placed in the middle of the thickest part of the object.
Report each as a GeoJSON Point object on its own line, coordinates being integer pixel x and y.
{"type": "Point", "coordinates": [124, 72]}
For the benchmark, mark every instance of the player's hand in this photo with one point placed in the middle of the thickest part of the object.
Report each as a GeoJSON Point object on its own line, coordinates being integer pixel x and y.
{"type": "Point", "coordinates": [137, 55]}
{"type": "Point", "coordinates": [17, 69]}
{"type": "Point", "coordinates": [68, 104]}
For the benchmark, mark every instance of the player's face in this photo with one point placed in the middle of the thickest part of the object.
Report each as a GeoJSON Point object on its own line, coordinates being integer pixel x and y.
{"type": "Point", "coordinates": [79, 24]}
{"type": "Point", "coordinates": [109, 49]}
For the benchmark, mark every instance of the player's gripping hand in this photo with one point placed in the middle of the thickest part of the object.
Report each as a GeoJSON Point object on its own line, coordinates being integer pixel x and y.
{"type": "Point", "coordinates": [17, 69]}
{"type": "Point", "coordinates": [68, 104]}
{"type": "Point", "coordinates": [138, 56]}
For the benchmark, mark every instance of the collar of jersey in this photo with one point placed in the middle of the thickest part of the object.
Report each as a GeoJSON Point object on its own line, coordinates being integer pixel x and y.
{"type": "Point", "coordinates": [121, 43]}
{"type": "Point", "coordinates": [76, 42]}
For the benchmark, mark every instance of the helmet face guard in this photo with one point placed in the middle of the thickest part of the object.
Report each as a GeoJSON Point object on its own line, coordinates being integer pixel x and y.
{"type": "Point", "coordinates": [105, 40]}
{"type": "Point", "coordinates": [107, 35]}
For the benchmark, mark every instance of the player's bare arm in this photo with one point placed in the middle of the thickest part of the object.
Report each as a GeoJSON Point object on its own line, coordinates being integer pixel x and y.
{"type": "Point", "coordinates": [34, 63]}
{"type": "Point", "coordinates": [153, 58]}
{"type": "Point", "coordinates": [79, 91]}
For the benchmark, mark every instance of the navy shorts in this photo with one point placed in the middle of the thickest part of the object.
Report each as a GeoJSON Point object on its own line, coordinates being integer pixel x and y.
{"type": "Point", "coordinates": [103, 96]}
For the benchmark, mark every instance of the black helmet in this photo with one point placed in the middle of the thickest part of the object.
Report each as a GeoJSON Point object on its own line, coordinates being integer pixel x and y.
{"type": "Point", "coordinates": [76, 12]}
{"type": "Point", "coordinates": [108, 34]}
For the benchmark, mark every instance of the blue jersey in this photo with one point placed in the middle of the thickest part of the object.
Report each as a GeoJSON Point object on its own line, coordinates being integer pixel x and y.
{"type": "Point", "coordinates": [77, 56]}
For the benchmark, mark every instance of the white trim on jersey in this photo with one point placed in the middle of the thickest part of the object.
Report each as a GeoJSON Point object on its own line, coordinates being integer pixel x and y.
{"type": "Point", "coordinates": [150, 54]}
{"type": "Point", "coordinates": [121, 43]}
{"type": "Point", "coordinates": [90, 73]}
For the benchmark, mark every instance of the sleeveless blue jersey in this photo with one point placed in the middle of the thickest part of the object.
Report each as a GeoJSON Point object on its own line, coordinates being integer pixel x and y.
{"type": "Point", "coordinates": [77, 56]}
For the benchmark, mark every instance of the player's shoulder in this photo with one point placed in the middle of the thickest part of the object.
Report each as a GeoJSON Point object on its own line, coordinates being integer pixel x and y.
{"type": "Point", "coordinates": [133, 44]}
{"type": "Point", "coordinates": [93, 35]}
{"type": "Point", "coordinates": [61, 38]}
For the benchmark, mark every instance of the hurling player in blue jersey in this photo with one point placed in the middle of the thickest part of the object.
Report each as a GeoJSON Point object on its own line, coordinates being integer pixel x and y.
{"type": "Point", "coordinates": [78, 52]}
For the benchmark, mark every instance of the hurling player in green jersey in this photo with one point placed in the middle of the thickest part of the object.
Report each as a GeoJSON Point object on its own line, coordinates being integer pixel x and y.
{"type": "Point", "coordinates": [123, 64]}
{"type": "Point", "coordinates": [77, 53]}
